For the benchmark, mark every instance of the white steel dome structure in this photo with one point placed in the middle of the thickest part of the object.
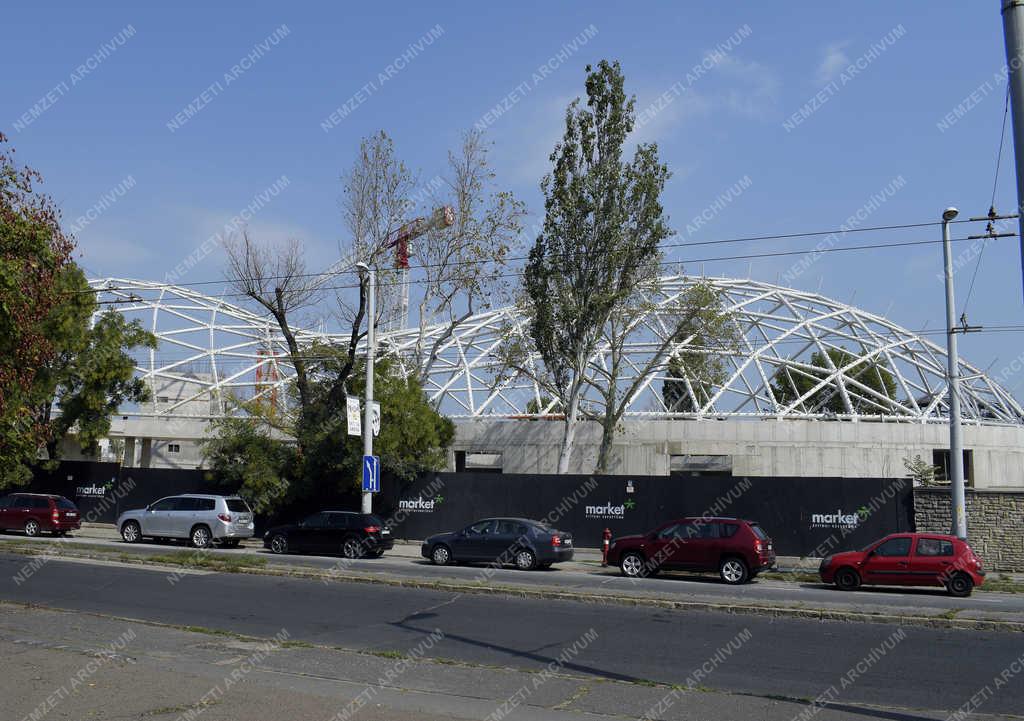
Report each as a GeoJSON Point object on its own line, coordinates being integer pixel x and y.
{"type": "Point", "coordinates": [218, 348]}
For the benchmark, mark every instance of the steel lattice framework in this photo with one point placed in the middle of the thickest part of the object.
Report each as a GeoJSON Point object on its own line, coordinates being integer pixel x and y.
{"type": "Point", "coordinates": [217, 348]}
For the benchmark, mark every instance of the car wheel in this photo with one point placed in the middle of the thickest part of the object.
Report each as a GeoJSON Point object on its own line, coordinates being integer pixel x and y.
{"type": "Point", "coordinates": [200, 537]}
{"type": "Point", "coordinates": [279, 544]}
{"type": "Point", "coordinates": [441, 555]}
{"type": "Point", "coordinates": [131, 532]}
{"type": "Point", "coordinates": [526, 560]}
{"type": "Point", "coordinates": [733, 571]}
{"type": "Point", "coordinates": [847, 579]}
{"type": "Point", "coordinates": [960, 585]}
{"type": "Point", "coordinates": [351, 548]}
{"type": "Point", "coordinates": [32, 527]}
{"type": "Point", "coordinates": [633, 565]}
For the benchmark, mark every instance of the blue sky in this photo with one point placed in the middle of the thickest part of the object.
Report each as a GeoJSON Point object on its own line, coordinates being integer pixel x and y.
{"type": "Point", "coordinates": [728, 135]}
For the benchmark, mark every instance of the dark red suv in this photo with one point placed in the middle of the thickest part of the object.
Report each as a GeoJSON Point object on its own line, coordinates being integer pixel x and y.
{"type": "Point", "coordinates": [34, 513]}
{"type": "Point", "coordinates": [737, 549]}
{"type": "Point", "coordinates": [907, 559]}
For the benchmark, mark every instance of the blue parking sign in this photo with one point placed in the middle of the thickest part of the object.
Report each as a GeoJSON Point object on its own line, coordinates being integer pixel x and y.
{"type": "Point", "coordinates": [371, 474]}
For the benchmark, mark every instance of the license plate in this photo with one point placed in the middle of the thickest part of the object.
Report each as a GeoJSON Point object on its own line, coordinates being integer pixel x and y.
{"type": "Point", "coordinates": [72, 515]}
{"type": "Point", "coordinates": [567, 542]}
{"type": "Point", "coordinates": [385, 532]}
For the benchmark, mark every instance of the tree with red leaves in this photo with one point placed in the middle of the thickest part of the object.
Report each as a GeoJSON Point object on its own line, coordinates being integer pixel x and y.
{"type": "Point", "coordinates": [34, 257]}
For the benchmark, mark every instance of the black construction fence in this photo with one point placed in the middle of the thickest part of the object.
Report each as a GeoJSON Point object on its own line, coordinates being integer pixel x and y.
{"type": "Point", "coordinates": [804, 516]}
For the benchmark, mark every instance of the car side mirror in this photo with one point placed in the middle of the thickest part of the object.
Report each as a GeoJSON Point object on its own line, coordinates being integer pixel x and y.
{"type": "Point", "coordinates": [149, 508]}
{"type": "Point", "coordinates": [872, 552]}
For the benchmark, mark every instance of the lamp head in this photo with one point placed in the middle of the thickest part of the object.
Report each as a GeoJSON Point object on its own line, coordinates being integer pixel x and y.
{"type": "Point", "coordinates": [949, 213]}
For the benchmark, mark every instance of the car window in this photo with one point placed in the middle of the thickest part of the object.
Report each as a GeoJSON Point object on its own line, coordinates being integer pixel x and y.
{"type": "Point", "coordinates": [40, 503]}
{"type": "Point", "coordinates": [521, 529]}
{"type": "Point", "coordinates": [186, 504]}
{"type": "Point", "coordinates": [66, 504]}
{"type": "Point", "coordinates": [371, 520]}
{"type": "Point", "coordinates": [165, 504]}
{"type": "Point", "coordinates": [339, 520]}
{"type": "Point", "coordinates": [509, 528]}
{"type": "Point", "coordinates": [237, 505]}
{"type": "Point", "coordinates": [668, 531]}
{"type": "Point", "coordinates": [759, 532]}
{"type": "Point", "coordinates": [22, 502]}
{"type": "Point", "coordinates": [5, 501]}
{"type": "Point", "coordinates": [894, 547]}
{"type": "Point", "coordinates": [315, 520]}
{"type": "Point", "coordinates": [727, 530]}
{"type": "Point", "coordinates": [481, 528]}
{"type": "Point", "coordinates": [707, 530]}
{"type": "Point", "coordinates": [934, 547]}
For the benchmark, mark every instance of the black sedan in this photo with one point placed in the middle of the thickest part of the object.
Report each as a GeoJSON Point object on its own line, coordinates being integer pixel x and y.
{"type": "Point", "coordinates": [353, 535]}
{"type": "Point", "coordinates": [500, 541]}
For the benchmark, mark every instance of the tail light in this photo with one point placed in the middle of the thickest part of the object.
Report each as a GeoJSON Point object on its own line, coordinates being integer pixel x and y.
{"type": "Point", "coordinates": [55, 515]}
{"type": "Point", "coordinates": [372, 529]}
{"type": "Point", "coordinates": [556, 541]}
{"type": "Point", "coordinates": [758, 546]}
{"type": "Point", "coordinates": [226, 517]}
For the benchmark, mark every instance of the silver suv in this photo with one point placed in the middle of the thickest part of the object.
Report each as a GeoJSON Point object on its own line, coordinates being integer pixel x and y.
{"type": "Point", "coordinates": [202, 519]}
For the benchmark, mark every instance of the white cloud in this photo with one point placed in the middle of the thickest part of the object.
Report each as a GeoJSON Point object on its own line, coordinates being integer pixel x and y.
{"type": "Point", "coordinates": [834, 61]}
{"type": "Point", "coordinates": [755, 92]}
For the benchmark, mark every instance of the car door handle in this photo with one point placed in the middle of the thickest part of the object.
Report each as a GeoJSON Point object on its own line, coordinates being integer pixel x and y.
{"type": "Point", "coordinates": [904, 563]}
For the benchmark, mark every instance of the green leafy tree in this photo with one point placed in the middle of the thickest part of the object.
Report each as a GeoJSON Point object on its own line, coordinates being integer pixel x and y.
{"type": "Point", "coordinates": [602, 226]}
{"type": "Point", "coordinates": [790, 383]}
{"type": "Point", "coordinates": [91, 378]}
{"type": "Point", "coordinates": [695, 317]}
{"type": "Point", "coordinates": [709, 334]}
{"type": "Point", "coordinates": [243, 454]}
{"type": "Point", "coordinates": [34, 254]}
{"type": "Point", "coordinates": [58, 373]}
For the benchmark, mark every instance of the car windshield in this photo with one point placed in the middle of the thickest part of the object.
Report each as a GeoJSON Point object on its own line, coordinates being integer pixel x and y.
{"type": "Point", "coordinates": [65, 504]}
{"type": "Point", "coordinates": [237, 505]}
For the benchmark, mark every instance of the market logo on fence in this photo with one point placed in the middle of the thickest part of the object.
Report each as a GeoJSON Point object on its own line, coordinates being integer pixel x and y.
{"type": "Point", "coordinates": [839, 519]}
{"type": "Point", "coordinates": [94, 491]}
{"type": "Point", "coordinates": [420, 504]}
{"type": "Point", "coordinates": [610, 510]}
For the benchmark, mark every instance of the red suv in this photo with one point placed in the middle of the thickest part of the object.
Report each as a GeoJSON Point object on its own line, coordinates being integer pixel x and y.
{"type": "Point", "coordinates": [907, 559]}
{"type": "Point", "coordinates": [34, 513]}
{"type": "Point", "coordinates": [737, 549]}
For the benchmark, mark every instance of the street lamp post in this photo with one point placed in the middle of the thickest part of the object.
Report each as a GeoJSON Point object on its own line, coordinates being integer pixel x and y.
{"type": "Point", "coordinates": [956, 445]}
{"type": "Point", "coordinates": [371, 352]}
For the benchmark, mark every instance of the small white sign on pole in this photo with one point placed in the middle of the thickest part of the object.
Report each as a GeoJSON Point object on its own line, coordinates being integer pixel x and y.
{"type": "Point", "coordinates": [376, 419]}
{"type": "Point", "coordinates": [355, 427]}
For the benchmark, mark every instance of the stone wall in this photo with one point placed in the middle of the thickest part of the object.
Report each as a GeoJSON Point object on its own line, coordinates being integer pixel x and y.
{"type": "Point", "coordinates": [995, 523]}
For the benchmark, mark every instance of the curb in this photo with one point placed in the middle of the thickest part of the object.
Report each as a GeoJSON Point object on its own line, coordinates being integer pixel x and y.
{"type": "Point", "coordinates": [548, 593]}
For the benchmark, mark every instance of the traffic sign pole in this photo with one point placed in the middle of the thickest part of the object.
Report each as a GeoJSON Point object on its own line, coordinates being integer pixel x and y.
{"type": "Point", "coordinates": [371, 351]}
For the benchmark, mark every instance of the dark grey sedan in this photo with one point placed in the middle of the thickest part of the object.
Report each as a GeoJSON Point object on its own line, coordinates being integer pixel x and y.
{"type": "Point", "coordinates": [521, 542]}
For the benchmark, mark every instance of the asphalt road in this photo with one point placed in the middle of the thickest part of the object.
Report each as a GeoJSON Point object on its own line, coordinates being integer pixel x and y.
{"type": "Point", "coordinates": [586, 577]}
{"type": "Point", "coordinates": [920, 668]}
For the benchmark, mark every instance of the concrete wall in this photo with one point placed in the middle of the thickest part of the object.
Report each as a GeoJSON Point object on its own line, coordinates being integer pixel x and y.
{"type": "Point", "coordinates": [771, 447]}
{"type": "Point", "coordinates": [995, 523]}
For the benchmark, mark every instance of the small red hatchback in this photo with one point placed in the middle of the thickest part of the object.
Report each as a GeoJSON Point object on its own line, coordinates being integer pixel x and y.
{"type": "Point", "coordinates": [34, 513]}
{"type": "Point", "coordinates": [737, 549]}
{"type": "Point", "coordinates": [907, 559]}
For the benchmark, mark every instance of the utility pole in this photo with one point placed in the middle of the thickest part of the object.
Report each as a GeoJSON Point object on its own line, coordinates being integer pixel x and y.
{"type": "Point", "coordinates": [371, 352]}
{"type": "Point", "coordinates": [956, 444]}
{"type": "Point", "coordinates": [1013, 33]}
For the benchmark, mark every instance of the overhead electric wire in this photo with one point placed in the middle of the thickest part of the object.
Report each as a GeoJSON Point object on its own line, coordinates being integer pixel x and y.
{"type": "Point", "coordinates": [992, 203]}
{"type": "Point", "coordinates": [720, 241]}
{"type": "Point", "coordinates": [517, 274]}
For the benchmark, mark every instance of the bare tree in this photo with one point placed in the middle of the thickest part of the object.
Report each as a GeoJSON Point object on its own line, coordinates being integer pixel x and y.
{"type": "Point", "coordinates": [276, 279]}
{"type": "Point", "coordinates": [462, 263]}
